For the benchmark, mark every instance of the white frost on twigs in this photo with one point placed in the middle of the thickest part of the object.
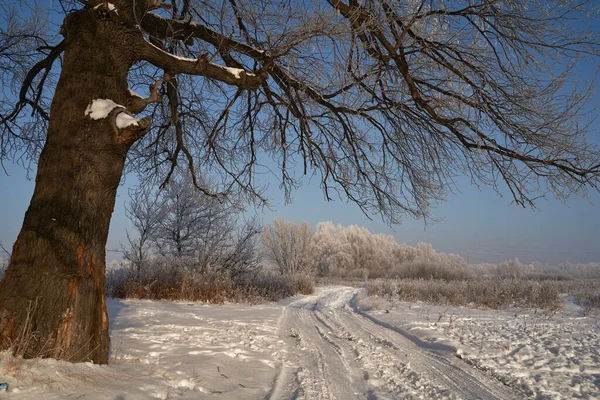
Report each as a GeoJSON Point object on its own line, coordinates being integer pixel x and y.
{"type": "Point", "coordinates": [134, 93]}
{"type": "Point", "coordinates": [100, 108]}
{"type": "Point", "coordinates": [124, 120]}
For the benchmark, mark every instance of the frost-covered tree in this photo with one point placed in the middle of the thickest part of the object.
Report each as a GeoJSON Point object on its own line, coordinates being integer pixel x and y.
{"type": "Point", "coordinates": [383, 101]}
{"type": "Point", "coordinates": [288, 246]}
{"type": "Point", "coordinates": [511, 269]}
{"type": "Point", "coordinates": [353, 251]}
{"type": "Point", "coordinates": [3, 265]}
{"type": "Point", "coordinates": [326, 252]}
{"type": "Point", "coordinates": [188, 219]}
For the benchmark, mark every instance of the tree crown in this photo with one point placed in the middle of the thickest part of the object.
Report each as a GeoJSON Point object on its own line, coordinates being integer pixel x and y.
{"type": "Point", "coordinates": [383, 101]}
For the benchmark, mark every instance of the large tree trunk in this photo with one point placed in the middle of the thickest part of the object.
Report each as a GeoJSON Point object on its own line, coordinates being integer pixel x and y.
{"type": "Point", "coordinates": [52, 297]}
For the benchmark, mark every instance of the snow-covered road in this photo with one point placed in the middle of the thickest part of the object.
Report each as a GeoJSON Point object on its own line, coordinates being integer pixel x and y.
{"type": "Point", "coordinates": [335, 351]}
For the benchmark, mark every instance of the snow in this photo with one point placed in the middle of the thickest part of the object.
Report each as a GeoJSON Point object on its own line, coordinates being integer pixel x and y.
{"type": "Point", "coordinates": [236, 72]}
{"type": "Point", "coordinates": [324, 346]}
{"type": "Point", "coordinates": [111, 7]}
{"type": "Point", "coordinates": [134, 93]}
{"type": "Point", "coordinates": [337, 353]}
{"type": "Point", "coordinates": [192, 60]}
{"type": "Point", "coordinates": [164, 349]}
{"type": "Point", "coordinates": [100, 108]}
{"type": "Point", "coordinates": [124, 120]}
{"type": "Point", "coordinates": [547, 355]}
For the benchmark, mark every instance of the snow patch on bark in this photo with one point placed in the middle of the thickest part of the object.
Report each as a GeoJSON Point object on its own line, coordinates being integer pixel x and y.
{"type": "Point", "coordinates": [237, 72]}
{"type": "Point", "coordinates": [100, 108]}
{"type": "Point", "coordinates": [134, 93]}
{"type": "Point", "coordinates": [111, 7]}
{"type": "Point", "coordinates": [124, 120]}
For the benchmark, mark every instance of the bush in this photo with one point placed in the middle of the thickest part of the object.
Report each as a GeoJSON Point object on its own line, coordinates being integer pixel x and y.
{"type": "Point", "coordinates": [492, 293]}
{"type": "Point", "coordinates": [273, 287]}
{"type": "Point", "coordinates": [179, 282]}
{"type": "Point", "coordinates": [422, 269]}
{"type": "Point", "coordinates": [585, 292]}
{"type": "Point", "coordinates": [548, 277]}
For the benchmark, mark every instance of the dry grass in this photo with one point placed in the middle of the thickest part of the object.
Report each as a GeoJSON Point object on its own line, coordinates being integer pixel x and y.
{"type": "Point", "coordinates": [255, 287]}
{"type": "Point", "coordinates": [422, 269]}
{"type": "Point", "coordinates": [586, 292]}
{"type": "Point", "coordinates": [493, 293]}
{"type": "Point", "coordinates": [338, 281]}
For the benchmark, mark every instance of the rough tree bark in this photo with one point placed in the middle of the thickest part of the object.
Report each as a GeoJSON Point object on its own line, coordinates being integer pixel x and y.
{"type": "Point", "coordinates": [52, 298]}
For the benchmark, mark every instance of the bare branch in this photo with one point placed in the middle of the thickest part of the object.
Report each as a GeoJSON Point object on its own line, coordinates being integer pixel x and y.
{"type": "Point", "coordinates": [202, 67]}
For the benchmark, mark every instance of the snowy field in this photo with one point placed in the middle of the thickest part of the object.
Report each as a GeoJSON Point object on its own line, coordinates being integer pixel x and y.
{"type": "Point", "coordinates": [548, 355]}
{"type": "Point", "coordinates": [326, 346]}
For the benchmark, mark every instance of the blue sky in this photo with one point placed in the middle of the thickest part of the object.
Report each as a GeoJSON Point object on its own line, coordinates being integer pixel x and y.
{"type": "Point", "coordinates": [477, 224]}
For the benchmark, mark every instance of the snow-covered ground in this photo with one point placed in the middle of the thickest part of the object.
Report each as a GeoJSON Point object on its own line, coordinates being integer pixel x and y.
{"type": "Point", "coordinates": [325, 346]}
{"type": "Point", "coordinates": [548, 355]}
{"type": "Point", "coordinates": [163, 350]}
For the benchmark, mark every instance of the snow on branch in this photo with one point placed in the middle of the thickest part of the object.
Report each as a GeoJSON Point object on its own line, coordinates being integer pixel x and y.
{"type": "Point", "coordinates": [126, 127]}
{"type": "Point", "coordinates": [107, 6]}
{"type": "Point", "coordinates": [202, 67]}
{"type": "Point", "coordinates": [124, 120]}
{"type": "Point", "coordinates": [100, 108]}
{"type": "Point", "coordinates": [163, 28]}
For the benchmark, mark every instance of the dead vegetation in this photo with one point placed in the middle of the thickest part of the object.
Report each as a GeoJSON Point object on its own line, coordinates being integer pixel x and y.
{"type": "Point", "coordinates": [216, 288]}
{"type": "Point", "coordinates": [491, 293]}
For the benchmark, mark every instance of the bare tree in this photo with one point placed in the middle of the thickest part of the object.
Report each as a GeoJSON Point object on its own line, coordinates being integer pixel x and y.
{"type": "Point", "coordinates": [288, 246]}
{"type": "Point", "coordinates": [4, 257]}
{"type": "Point", "coordinates": [22, 40]}
{"type": "Point", "coordinates": [384, 101]}
{"type": "Point", "coordinates": [146, 212]}
{"type": "Point", "coordinates": [182, 224]}
{"type": "Point", "coordinates": [190, 221]}
{"type": "Point", "coordinates": [236, 253]}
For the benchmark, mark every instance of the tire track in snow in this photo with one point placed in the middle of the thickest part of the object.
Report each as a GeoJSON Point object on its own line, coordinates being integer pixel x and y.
{"type": "Point", "coordinates": [335, 351]}
{"type": "Point", "coordinates": [318, 366]}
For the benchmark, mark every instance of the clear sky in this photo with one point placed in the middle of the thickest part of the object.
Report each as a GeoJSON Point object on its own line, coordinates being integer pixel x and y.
{"type": "Point", "coordinates": [479, 225]}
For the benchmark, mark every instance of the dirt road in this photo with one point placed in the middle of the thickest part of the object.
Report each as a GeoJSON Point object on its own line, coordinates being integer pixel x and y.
{"type": "Point", "coordinates": [335, 351]}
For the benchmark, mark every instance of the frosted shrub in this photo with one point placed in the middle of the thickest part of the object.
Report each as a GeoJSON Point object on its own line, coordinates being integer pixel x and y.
{"type": "Point", "coordinates": [420, 269]}
{"type": "Point", "coordinates": [288, 246]}
{"type": "Point", "coordinates": [493, 293]}
{"type": "Point", "coordinates": [355, 252]}
{"type": "Point", "coordinates": [585, 292]}
{"type": "Point", "coordinates": [511, 269]}
{"type": "Point", "coordinates": [273, 287]}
